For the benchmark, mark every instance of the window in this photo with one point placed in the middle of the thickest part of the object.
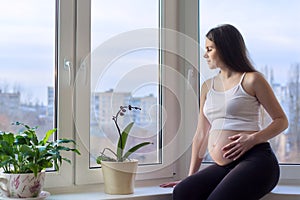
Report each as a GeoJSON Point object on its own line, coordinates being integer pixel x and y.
{"type": "Point", "coordinates": [119, 64]}
{"type": "Point", "coordinates": [273, 43]}
{"type": "Point", "coordinates": [27, 51]}
{"type": "Point", "coordinates": [52, 60]}
{"type": "Point", "coordinates": [130, 77]}
{"type": "Point", "coordinates": [33, 76]}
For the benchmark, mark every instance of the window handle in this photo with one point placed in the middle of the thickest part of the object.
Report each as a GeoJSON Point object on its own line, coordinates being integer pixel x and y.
{"type": "Point", "coordinates": [68, 66]}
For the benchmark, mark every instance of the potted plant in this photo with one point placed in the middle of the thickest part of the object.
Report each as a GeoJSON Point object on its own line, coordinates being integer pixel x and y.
{"type": "Point", "coordinates": [119, 170]}
{"type": "Point", "coordinates": [24, 159]}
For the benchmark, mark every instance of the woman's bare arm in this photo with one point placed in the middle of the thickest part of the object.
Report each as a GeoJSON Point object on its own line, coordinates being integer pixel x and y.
{"type": "Point", "coordinates": [257, 86]}
{"type": "Point", "coordinates": [200, 139]}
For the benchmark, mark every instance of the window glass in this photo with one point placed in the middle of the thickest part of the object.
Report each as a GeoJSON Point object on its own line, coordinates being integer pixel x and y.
{"type": "Point", "coordinates": [273, 42]}
{"type": "Point", "coordinates": [27, 54]}
{"type": "Point", "coordinates": [128, 77]}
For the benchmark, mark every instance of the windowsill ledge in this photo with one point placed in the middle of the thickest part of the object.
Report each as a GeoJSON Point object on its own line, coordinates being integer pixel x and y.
{"type": "Point", "coordinates": [284, 192]}
{"type": "Point", "coordinates": [153, 192]}
{"type": "Point", "coordinates": [287, 189]}
{"type": "Point", "coordinates": [142, 191]}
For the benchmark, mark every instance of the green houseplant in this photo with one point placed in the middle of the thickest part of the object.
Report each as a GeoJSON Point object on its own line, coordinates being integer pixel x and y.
{"type": "Point", "coordinates": [120, 156]}
{"type": "Point", "coordinates": [24, 153]}
{"type": "Point", "coordinates": [118, 170]}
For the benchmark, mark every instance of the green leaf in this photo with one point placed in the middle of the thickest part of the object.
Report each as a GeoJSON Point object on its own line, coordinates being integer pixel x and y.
{"type": "Point", "coordinates": [21, 139]}
{"type": "Point", "coordinates": [47, 135]}
{"type": "Point", "coordinates": [124, 136]}
{"type": "Point", "coordinates": [135, 148]}
{"type": "Point", "coordinates": [9, 138]}
{"type": "Point", "coordinates": [67, 160]}
{"type": "Point", "coordinates": [27, 151]}
{"type": "Point", "coordinates": [31, 136]}
{"type": "Point", "coordinates": [76, 151]}
{"type": "Point", "coordinates": [62, 148]}
{"type": "Point", "coordinates": [63, 140]}
{"type": "Point", "coordinates": [104, 158]}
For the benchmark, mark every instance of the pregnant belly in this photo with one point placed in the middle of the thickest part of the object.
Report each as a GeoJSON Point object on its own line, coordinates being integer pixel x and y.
{"type": "Point", "coordinates": [217, 140]}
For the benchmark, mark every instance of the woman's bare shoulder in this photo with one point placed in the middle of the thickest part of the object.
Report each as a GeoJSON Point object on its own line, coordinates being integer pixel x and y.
{"type": "Point", "coordinates": [207, 84]}
{"type": "Point", "coordinates": [254, 81]}
{"type": "Point", "coordinates": [250, 82]}
{"type": "Point", "coordinates": [206, 87]}
{"type": "Point", "coordinates": [252, 77]}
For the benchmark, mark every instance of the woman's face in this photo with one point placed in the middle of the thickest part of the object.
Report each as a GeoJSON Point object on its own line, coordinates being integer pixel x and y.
{"type": "Point", "coordinates": [212, 57]}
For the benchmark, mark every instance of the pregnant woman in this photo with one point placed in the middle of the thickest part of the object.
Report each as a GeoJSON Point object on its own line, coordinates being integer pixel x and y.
{"type": "Point", "coordinates": [245, 166]}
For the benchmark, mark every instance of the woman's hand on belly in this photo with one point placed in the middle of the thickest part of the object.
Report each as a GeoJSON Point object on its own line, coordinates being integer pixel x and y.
{"type": "Point", "coordinates": [240, 143]}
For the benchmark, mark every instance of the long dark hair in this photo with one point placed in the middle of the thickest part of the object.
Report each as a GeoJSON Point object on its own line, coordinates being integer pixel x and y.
{"type": "Point", "coordinates": [231, 47]}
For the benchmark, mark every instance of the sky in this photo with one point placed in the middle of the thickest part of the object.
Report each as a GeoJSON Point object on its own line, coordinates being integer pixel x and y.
{"type": "Point", "coordinates": [130, 62]}
{"type": "Point", "coordinates": [26, 47]}
{"type": "Point", "coordinates": [270, 29]}
{"type": "Point", "coordinates": [27, 35]}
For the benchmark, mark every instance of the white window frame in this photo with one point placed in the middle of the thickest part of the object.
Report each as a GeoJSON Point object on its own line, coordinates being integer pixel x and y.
{"type": "Point", "coordinates": [65, 53]}
{"type": "Point", "coordinates": [74, 45]}
{"type": "Point", "coordinates": [83, 174]}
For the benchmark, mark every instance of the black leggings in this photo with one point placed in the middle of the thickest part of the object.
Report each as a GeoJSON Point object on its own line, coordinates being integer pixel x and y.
{"type": "Point", "coordinates": [250, 177]}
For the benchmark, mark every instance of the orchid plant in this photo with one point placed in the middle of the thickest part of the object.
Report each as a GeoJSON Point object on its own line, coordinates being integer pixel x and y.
{"type": "Point", "coordinates": [120, 156]}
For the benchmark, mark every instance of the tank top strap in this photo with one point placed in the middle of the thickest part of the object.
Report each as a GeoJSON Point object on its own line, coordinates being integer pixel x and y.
{"type": "Point", "coordinates": [212, 82]}
{"type": "Point", "coordinates": [242, 78]}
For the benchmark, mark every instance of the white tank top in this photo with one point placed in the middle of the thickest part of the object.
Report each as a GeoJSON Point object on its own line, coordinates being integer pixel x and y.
{"type": "Point", "coordinates": [233, 109]}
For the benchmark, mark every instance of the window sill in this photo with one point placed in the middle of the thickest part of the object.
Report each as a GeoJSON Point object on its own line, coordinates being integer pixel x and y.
{"type": "Point", "coordinates": [284, 192]}
{"type": "Point", "coordinates": [142, 191]}
{"type": "Point", "coordinates": [287, 189]}
{"type": "Point", "coordinates": [151, 192]}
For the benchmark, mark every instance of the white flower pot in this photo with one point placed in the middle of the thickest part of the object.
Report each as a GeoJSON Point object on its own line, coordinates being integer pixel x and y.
{"type": "Point", "coordinates": [119, 177]}
{"type": "Point", "coordinates": [21, 185]}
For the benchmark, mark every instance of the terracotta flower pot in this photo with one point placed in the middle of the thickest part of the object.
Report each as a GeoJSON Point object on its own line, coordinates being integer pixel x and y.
{"type": "Point", "coordinates": [119, 177]}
